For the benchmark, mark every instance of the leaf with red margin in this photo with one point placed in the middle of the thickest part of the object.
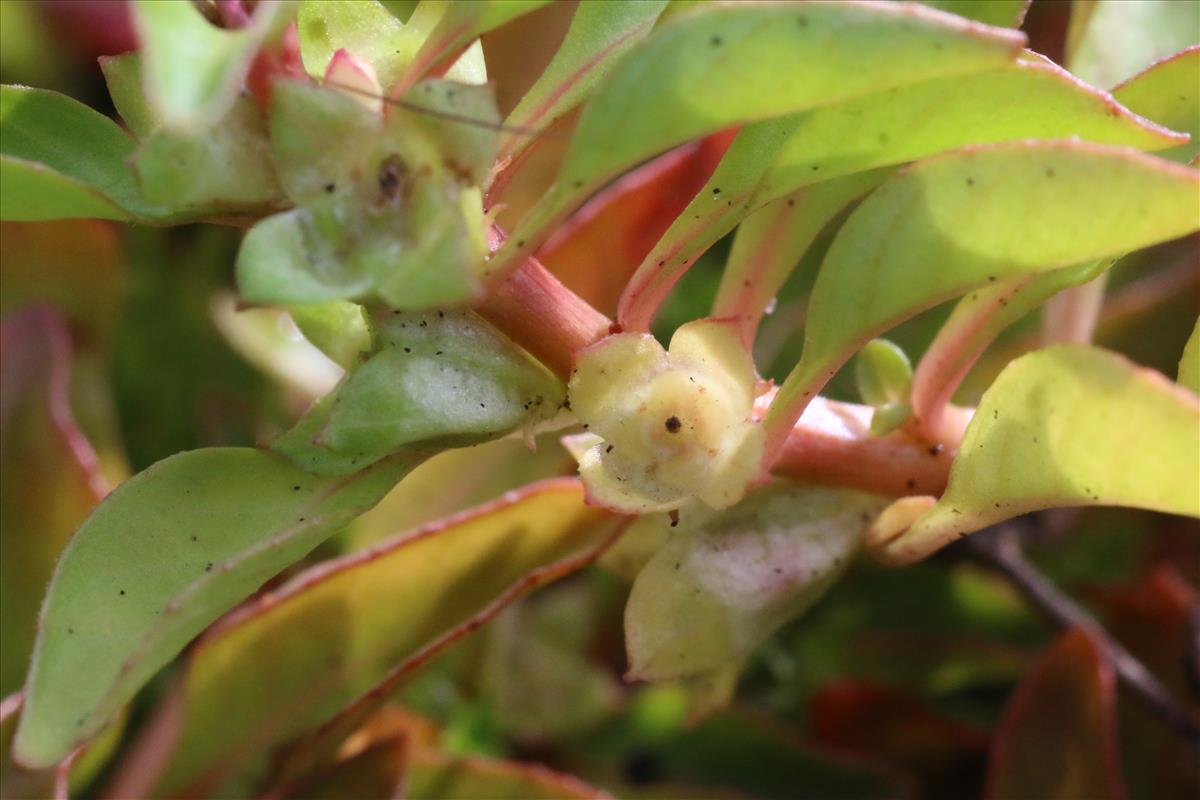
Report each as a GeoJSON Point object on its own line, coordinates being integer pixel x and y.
{"type": "Point", "coordinates": [15, 780]}
{"type": "Point", "coordinates": [51, 478]}
{"type": "Point", "coordinates": [1058, 739]}
{"type": "Point", "coordinates": [599, 248]}
{"type": "Point", "coordinates": [1064, 426]}
{"type": "Point", "coordinates": [375, 771]}
{"type": "Point", "coordinates": [873, 720]}
{"type": "Point", "coordinates": [434, 776]}
{"type": "Point", "coordinates": [293, 658]}
{"type": "Point", "coordinates": [1154, 619]}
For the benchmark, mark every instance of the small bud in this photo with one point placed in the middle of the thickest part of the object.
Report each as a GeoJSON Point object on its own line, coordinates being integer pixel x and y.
{"type": "Point", "coordinates": [883, 373]}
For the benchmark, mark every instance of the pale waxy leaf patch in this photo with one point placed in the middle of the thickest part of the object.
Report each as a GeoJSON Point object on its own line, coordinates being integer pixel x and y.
{"type": "Point", "coordinates": [725, 581]}
{"type": "Point", "coordinates": [227, 168]}
{"type": "Point", "coordinates": [438, 375]}
{"type": "Point", "coordinates": [1065, 426]}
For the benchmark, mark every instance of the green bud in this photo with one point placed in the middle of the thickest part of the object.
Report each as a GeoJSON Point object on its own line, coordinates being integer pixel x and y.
{"type": "Point", "coordinates": [888, 417]}
{"type": "Point", "coordinates": [883, 373]}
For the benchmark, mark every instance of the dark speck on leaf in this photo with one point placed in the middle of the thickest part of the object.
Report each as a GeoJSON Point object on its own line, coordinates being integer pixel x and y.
{"type": "Point", "coordinates": [910, 483]}
{"type": "Point", "coordinates": [408, 349]}
{"type": "Point", "coordinates": [122, 593]}
{"type": "Point", "coordinates": [715, 41]}
{"type": "Point", "coordinates": [970, 181]}
{"type": "Point", "coordinates": [208, 567]}
{"type": "Point", "coordinates": [936, 450]}
{"type": "Point", "coordinates": [330, 187]}
{"type": "Point", "coordinates": [438, 353]}
{"type": "Point", "coordinates": [802, 21]}
{"type": "Point", "coordinates": [296, 488]}
{"type": "Point", "coordinates": [391, 177]}
{"type": "Point", "coordinates": [1049, 172]}
{"type": "Point", "coordinates": [608, 449]}
{"type": "Point", "coordinates": [673, 424]}
{"type": "Point", "coordinates": [716, 190]}
{"type": "Point", "coordinates": [520, 243]}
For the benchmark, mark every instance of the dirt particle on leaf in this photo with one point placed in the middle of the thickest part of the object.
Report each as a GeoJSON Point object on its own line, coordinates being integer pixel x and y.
{"type": "Point", "coordinates": [716, 41]}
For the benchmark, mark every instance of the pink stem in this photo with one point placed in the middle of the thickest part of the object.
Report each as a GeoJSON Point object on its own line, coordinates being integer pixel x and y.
{"type": "Point", "coordinates": [535, 310]}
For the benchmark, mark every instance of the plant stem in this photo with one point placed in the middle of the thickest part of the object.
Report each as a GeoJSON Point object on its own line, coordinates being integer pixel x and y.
{"type": "Point", "coordinates": [1000, 548]}
{"type": "Point", "coordinates": [535, 310]}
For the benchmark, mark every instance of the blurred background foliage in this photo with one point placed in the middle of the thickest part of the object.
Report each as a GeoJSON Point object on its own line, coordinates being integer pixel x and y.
{"type": "Point", "coordinates": [125, 345]}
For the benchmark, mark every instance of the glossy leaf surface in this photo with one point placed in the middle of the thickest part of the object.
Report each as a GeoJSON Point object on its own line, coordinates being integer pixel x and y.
{"type": "Point", "coordinates": [599, 35]}
{"type": "Point", "coordinates": [1169, 93]}
{"type": "Point", "coordinates": [718, 65]}
{"type": "Point", "coordinates": [960, 221]}
{"type": "Point", "coordinates": [207, 528]}
{"type": "Point", "coordinates": [335, 631]}
{"type": "Point", "coordinates": [721, 585]}
{"type": "Point", "coordinates": [772, 159]}
{"type": "Point", "coordinates": [1066, 426]}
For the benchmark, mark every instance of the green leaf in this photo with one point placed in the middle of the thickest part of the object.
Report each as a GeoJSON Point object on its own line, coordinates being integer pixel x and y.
{"type": "Point", "coordinates": [438, 375]}
{"type": "Point", "coordinates": [227, 169]}
{"type": "Point", "coordinates": [62, 159]}
{"type": "Point", "coordinates": [1109, 40]}
{"type": "Point", "coordinates": [335, 631]}
{"type": "Point", "coordinates": [973, 325]}
{"type": "Point", "coordinates": [364, 27]}
{"type": "Point", "coordinates": [1189, 362]}
{"type": "Point", "coordinates": [964, 220]}
{"type": "Point", "coordinates": [719, 65]}
{"type": "Point", "coordinates": [771, 241]}
{"type": "Point", "coordinates": [600, 34]}
{"type": "Point", "coordinates": [1169, 93]}
{"type": "Point", "coordinates": [1023, 100]}
{"type": "Point", "coordinates": [123, 77]}
{"type": "Point", "coordinates": [339, 329]}
{"type": "Point", "coordinates": [395, 217]}
{"type": "Point", "coordinates": [883, 373]}
{"type": "Point", "coordinates": [457, 25]}
{"type": "Point", "coordinates": [193, 70]}
{"type": "Point", "coordinates": [1005, 13]}
{"type": "Point", "coordinates": [769, 160]}
{"type": "Point", "coordinates": [1066, 426]}
{"type": "Point", "coordinates": [711, 595]}
{"type": "Point", "coordinates": [163, 556]}
{"type": "Point", "coordinates": [442, 378]}
{"type": "Point", "coordinates": [51, 480]}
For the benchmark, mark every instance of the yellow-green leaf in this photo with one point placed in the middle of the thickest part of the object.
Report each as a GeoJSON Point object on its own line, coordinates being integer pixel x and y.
{"type": "Point", "coordinates": [974, 217]}
{"type": "Point", "coordinates": [719, 65]}
{"type": "Point", "coordinates": [332, 633]}
{"type": "Point", "coordinates": [1065, 426]}
{"type": "Point", "coordinates": [164, 555]}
